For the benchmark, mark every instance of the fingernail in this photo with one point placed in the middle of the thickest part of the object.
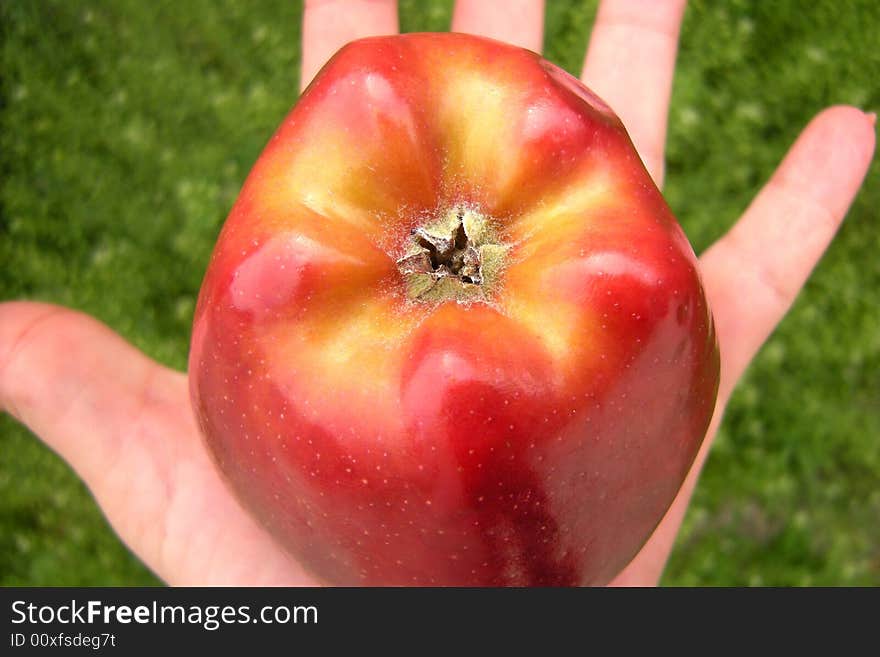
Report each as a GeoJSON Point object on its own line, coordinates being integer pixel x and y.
{"type": "Point", "coordinates": [872, 117]}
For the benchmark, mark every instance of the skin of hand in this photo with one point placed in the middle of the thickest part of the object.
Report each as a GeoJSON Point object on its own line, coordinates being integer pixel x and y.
{"type": "Point", "coordinates": [124, 422]}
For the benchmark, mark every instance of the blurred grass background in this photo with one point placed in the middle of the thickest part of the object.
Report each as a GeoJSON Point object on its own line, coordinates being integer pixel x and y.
{"type": "Point", "coordinates": [128, 128]}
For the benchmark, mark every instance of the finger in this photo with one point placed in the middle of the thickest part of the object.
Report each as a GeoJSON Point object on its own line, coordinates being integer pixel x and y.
{"type": "Point", "coordinates": [629, 64]}
{"type": "Point", "coordinates": [330, 24]}
{"type": "Point", "coordinates": [74, 382]}
{"type": "Point", "coordinates": [124, 424]}
{"type": "Point", "coordinates": [90, 397]}
{"type": "Point", "coordinates": [754, 272]}
{"type": "Point", "coordinates": [520, 22]}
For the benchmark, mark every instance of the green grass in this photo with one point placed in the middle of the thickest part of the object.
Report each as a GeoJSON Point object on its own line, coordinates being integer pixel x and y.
{"type": "Point", "coordinates": [128, 127]}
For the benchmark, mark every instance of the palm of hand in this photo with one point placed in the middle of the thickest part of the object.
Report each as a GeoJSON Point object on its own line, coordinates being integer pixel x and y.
{"type": "Point", "coordinates": [145, 461]}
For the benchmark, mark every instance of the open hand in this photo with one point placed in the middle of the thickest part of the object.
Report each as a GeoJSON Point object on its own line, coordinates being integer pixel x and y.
{"type": "Point", "coordinates": [125, 424]}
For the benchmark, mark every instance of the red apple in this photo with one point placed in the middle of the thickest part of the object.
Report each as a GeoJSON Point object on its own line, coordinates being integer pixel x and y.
{"type": "Point", "coordinates": [451, 332]}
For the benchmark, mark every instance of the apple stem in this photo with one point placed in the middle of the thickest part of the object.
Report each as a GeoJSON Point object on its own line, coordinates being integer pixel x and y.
{"type": "Point", "coordinates": [457, 257]}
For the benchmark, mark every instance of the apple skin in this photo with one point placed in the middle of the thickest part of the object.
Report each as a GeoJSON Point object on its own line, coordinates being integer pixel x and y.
{"type": "Point", "coordinates": [534, 439]}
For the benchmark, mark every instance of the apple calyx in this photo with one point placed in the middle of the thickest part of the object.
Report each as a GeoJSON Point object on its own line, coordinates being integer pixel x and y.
{"type": "Point", "coordinates": [457, 257]}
